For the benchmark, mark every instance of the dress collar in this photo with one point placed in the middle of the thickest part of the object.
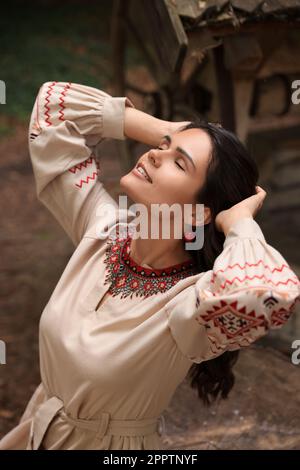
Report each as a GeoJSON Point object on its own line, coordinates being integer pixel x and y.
{"type": "Point", "coordinates": [151, 272]}
{"type": "Point", "coordinates": [129, 278]}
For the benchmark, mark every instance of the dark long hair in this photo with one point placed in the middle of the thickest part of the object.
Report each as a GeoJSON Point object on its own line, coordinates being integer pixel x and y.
{"type": "Point", "coordinates": [232, 175]}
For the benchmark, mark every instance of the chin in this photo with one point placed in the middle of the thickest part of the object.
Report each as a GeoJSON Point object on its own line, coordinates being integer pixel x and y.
{"type": "Point", "coordinates": [125, 184]}
{"type": "Point", "coordinates": [132, 189]}
{"type": "Point", "coordinates": [128, 187]}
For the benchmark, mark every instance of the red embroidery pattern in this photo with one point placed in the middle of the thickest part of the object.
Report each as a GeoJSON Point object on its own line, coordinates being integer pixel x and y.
{"type": "Point", "coordinates": [84, 164]}
{"type": "Point", "coordinates": [232, 321]}
{"type": "Point", "coordinates": [231, 266]}
{"type": "Point", "coordinates": [61, 99]}
{"type": "Point", "coordinates": [87, 179]}
{"type": "Point", "coordinates": [47, 115]}
{"type": "Point", "coordinates": [280, 317]}
{"type": "Point", "coordinates": [128, 278]}
{"type": "Point", "coordinates": [296, 281]}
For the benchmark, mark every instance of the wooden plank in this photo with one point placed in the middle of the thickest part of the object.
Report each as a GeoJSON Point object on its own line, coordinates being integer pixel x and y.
{"type": "Point", "coordinates": [242, 51]}
{"type": "Point", "coordinates": [247, 5]}
{"type": "Point", "coordinates": [156, 23]}
{"type": "Point", "coordinates": [277, 6]}
{"type": "Point", "coordinates": [190, 8]}
{"type": "Point", "coordinates": [118, 45]}
{"type": "Point", "coordinates": [270, 25]}
{"type": "Point", "coordinates": [255, 11]}
{"type": "Point", "coordinates": [277, 124]}
{"type": "Point", "coordinates": [285, 57]}
{"type": "Point", "coordinates": [225, 90]}
{"type": "Point", "coordinates": [200, 42]}
{"type": "Point", "coordinates": [243, 88]}
{"type": "Point", "coordinates": [195, 9]}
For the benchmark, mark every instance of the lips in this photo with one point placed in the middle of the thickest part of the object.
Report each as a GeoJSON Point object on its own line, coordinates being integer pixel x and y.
{"type": "Point", "coordinates": [143, 167]}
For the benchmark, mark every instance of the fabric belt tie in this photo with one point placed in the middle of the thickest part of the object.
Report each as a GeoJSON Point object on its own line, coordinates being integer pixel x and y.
{"type": "Point", "coordinates": [102, 426]}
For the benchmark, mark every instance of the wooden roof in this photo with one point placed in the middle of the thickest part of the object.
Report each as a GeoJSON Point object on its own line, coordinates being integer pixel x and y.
{"type": "Point", "coordinates": [195, 13]}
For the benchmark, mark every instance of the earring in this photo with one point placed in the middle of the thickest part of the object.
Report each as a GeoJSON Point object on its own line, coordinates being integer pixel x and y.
{"type": "Point", "coordinates": [189, 236]}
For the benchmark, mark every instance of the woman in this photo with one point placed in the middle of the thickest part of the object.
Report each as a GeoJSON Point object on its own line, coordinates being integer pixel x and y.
{"type": "Point", "coordinates": [131, 317]}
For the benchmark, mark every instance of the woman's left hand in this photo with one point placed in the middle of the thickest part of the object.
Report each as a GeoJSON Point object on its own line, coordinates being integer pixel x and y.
{"type": "Point", "coordinates": [246, 208]}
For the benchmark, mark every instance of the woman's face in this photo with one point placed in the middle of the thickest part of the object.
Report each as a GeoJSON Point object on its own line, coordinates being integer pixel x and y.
{"type": "Point", "coordinates": [177, 170]}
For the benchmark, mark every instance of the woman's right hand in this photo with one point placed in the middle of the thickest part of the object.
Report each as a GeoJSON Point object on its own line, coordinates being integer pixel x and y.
{"type": "Point", "coordinates": [148, 129]}
{"type": "Point", "coordinates": [177, 126]}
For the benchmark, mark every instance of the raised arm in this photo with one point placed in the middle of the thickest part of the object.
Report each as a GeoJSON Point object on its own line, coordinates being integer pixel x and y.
{"type": "Point", "coordinates": [250, 290]}
{"type": "Point", "coordinates": [67, 122]}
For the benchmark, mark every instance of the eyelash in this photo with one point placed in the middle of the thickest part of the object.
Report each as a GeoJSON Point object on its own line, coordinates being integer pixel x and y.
{"type": "Point", "coordinates": [159, 148]}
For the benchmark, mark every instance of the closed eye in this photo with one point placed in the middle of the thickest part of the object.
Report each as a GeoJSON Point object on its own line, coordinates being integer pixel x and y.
{"type": "Point", "coordinates": [180, 166]}
{"type": "Point", "coordinates": [159, 148]}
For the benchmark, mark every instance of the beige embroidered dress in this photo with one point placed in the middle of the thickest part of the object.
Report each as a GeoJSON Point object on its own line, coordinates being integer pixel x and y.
{"type": "Point", "coordinates": [108, 373]}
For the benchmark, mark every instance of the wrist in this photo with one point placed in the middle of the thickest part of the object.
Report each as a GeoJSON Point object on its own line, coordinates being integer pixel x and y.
{"type": "Point", "coordinates": [143, 127]}
{"type": "Point", "coordinates": [230, 220]}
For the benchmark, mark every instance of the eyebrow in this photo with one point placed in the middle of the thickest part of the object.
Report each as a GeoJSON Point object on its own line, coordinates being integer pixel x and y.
{"type": "Point", "coordinates": [179, 149]}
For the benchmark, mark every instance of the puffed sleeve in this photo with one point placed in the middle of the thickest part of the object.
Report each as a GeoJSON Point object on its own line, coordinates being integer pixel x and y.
{"type": "Point", "coordinates": [68, 121]}
{"type": "Point", "coordinates": [250, 290]}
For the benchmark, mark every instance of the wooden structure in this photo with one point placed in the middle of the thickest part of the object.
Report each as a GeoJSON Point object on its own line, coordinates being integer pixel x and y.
{"type": "Point", "coordinates": [230, 61]}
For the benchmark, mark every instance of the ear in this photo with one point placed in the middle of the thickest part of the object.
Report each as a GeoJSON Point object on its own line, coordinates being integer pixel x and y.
{"type": "Point", "coordinates": [206, 217]}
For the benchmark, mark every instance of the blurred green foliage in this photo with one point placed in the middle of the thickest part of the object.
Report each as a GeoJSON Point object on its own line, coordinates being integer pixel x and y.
{"type": "Point", "coordinates": [44, 42]}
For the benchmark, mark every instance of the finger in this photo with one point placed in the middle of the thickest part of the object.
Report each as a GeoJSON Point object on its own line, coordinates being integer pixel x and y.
{"type": "Point", "coordinates": [261, 197]}
{"type": "Point", "coordinates": [260, 191]}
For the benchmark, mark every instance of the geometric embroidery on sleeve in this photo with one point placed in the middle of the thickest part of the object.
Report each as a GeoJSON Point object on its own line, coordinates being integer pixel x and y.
{"type": "Point", "coordinates": [280, 317]}
{"type": "Point", "coordinates": [233, 321]}
{"type": "Point", "coordinates": [270, 301]}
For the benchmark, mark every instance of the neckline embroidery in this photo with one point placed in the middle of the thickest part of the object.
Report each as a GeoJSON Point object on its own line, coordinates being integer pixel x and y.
{"type": "Point", "coordinates": [128, 278]}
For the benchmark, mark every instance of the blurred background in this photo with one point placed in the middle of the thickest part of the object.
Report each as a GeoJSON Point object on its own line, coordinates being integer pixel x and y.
{"type": "Point", "coordinates": [233, 62]}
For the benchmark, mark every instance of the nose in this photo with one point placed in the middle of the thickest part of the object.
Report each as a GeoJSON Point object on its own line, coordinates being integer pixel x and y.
{"type": "Point", "coordinates": [153, 157]}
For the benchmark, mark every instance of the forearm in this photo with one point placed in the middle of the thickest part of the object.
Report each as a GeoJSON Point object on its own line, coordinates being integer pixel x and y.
{"type": "Point", "coordinates": [143, 127]}
{"type": "Point", "coordinates": [230, 219]}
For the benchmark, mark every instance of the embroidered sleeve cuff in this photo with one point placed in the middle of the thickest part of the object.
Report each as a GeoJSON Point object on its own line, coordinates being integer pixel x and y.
{"type": "Point", "coordinates": [113, 116]}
